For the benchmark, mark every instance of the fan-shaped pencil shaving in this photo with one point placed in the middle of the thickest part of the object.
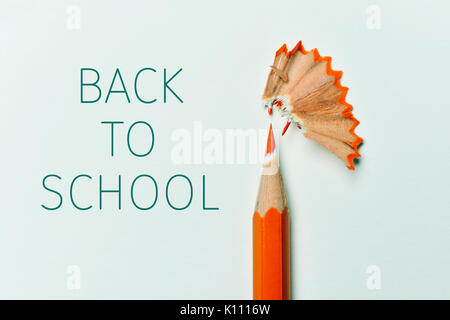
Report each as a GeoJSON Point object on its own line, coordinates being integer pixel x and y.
{"type": "Point", "coordinates": [308, 91]}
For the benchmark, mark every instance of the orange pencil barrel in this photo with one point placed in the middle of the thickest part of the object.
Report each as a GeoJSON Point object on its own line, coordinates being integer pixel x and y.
{"type": "Point", "coordinates": [271, 257]}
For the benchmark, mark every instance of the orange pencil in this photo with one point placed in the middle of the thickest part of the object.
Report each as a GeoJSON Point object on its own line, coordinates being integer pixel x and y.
{"type": "Point", "coordinates": [271, 275]}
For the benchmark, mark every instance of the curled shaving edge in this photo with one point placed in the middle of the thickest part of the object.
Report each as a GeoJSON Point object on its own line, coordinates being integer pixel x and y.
{"type": "Point", "coordinates": [347, 112]}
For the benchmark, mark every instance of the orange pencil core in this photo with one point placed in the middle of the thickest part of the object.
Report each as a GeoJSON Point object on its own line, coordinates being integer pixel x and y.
{"type": "Point", "coordinates": [270, 142]}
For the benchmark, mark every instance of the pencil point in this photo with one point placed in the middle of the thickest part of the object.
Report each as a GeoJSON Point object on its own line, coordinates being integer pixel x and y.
{"type": "Point", "coordinates": [270, 142]}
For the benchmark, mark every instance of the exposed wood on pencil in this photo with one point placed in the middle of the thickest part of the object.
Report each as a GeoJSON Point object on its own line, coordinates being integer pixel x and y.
{"type": "Point", "coordinates": [271, 193]}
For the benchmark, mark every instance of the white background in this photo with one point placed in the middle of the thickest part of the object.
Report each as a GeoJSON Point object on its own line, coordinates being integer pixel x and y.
{"type": "Point", "coordinates": [392, 212]}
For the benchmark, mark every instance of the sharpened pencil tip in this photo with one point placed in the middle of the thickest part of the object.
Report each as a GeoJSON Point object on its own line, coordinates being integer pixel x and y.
{"type": "Point", "coordinates": [270, 142]}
